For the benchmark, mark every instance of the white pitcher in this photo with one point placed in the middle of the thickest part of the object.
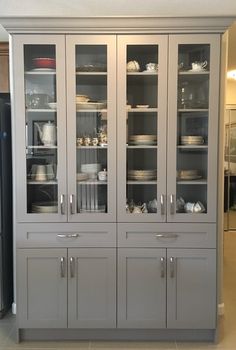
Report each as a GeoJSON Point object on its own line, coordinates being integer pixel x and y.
{"type": "Point", "coordinates": [47, 133]}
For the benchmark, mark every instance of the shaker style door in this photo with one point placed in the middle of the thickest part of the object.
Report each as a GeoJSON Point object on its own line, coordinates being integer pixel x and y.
{"type": "Point", "coordinates": [193, 128]}
{"type": "Point", "coordinates": [40, 123]}
{"type": "Point", "coordinates": [42, 288]}
{"type": "Point", "coordinates": [141, 120]}
{"type": "Point", "coordinates": [91, 128]}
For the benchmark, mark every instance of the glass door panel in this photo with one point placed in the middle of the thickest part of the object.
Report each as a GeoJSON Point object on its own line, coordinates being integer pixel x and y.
{"type": "Point", "coordinates": [194, 69]}
{"type": "Point", "coordinates": [142, 118]}
{"type": "Point", "coordinates": [94, 128]}
{"type": "Point", "coordinates": [41, 128]}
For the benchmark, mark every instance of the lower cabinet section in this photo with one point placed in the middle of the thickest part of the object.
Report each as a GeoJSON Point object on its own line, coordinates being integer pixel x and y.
{"type": "Point", "coordinates": [173, 288]}
{"type": "Point", "coordinates": [82, 278]}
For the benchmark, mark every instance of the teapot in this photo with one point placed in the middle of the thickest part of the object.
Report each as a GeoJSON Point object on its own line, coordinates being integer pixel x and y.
{"type": "Point", "coordinates": [47, 133]}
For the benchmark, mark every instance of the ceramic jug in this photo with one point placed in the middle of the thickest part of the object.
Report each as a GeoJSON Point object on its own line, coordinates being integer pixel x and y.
{"type": "Point", "coordinates": [47, 133]}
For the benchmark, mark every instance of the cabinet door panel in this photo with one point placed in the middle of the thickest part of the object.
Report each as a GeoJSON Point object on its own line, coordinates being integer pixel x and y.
{"type": "Point", "coordinates": [141, 142]}
{"type": "Point", "coordinates": [91, 87]}
{"type": "Point", "coordinates": [40, 137]}
{"type": "Point", "coordinates": [92, 288]}
{"type": "Point", "coordinates": [193, 116]}
{"type": "Point", "coordinates": [141, 288]}
{"type": "Point", "coordinates": [191, 288]}
{"type": "Point", "coordinates": [41, 289]}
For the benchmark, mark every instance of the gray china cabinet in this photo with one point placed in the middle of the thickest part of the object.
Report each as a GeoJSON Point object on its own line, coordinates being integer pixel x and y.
{"type": "Point", "coordinates": [115, 126]}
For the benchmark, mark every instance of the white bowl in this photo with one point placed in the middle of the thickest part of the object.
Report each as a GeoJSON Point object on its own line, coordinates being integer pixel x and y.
{"type": "Point", "coordinates": [52, 105]}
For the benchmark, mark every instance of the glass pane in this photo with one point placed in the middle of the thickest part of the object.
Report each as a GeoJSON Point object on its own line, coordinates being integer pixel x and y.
{"type": "Point", "coordinates": [92, 139]}
{"type": "Point", "coordinates": [141, 128]}
{"type": "Point", "coordinates": [41, 128]}
{"type": "Point", "coordinates": [192, 128]}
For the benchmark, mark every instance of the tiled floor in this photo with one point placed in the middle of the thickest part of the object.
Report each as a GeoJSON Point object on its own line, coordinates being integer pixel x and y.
{"type": "Point", "coordinates": [228, 322]}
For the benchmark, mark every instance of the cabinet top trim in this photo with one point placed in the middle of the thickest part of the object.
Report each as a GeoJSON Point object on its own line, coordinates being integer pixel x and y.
{"type": "Point", "coordinates": [117, 24]}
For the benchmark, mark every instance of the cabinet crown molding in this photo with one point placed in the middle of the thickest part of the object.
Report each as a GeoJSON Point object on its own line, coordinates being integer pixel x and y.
{"type": "Point", "coordinates": [117, 24]}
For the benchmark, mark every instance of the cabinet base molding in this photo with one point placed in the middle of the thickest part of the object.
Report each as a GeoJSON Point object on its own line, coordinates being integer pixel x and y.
{"type": "Point", "coordinates": [118, 334]}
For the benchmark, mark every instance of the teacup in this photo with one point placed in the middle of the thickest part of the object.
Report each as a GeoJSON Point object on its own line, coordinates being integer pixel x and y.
{"type": "Point", "coordinates": [199, 65]}
{"type": "Point", "coordinates": [95, 141]}
{"type": "Point", "coordinates": [151, 66]}
{"type": "Point", "coordinates": [87, 141]}
{"type": "Point", "coordinates": [102, 175]}
{"type": "Point", "coordinates": [79, 141]}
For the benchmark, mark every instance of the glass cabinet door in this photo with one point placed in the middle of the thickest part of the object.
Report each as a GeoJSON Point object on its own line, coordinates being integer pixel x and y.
{"type": "Point", "coordinates": [91, 134]}
{"type": "Point", "coordinates": [192, 127]}
{"type": "Point", "coordinates": [40, 125]}
{"type": "Point", "coordinates": [141, 142]}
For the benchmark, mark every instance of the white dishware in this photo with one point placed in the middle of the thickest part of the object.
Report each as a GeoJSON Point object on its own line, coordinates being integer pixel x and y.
{"type": "Point", "coordinates": [82, 98]}
{"type": "Point", "coordinates": [50, 171]}
{"type": "Point", "coordinates": [133, 66]}
{"type": "Point", "coordinates": [52, 105]}
{"type": "Point", "coordinates": [151, 67]}
{"type": "Point", "coordinates": [47, 133]}
{"type": "Point", "coordinates": [40, 174]}
{"type": "Point", "coordinates": [198, 66]}
{"type": "Point", "coordinates": [102, 175]}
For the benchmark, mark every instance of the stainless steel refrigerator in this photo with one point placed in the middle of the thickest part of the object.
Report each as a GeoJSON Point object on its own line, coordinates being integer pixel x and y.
{"type": "Point", "coordinates": [6, 249]}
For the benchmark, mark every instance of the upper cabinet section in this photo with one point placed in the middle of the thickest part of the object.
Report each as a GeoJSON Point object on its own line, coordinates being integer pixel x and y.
{"type": "Point", "coordinates": [192, 127]}
{"type": "Point", "coordinates": [100, 115]}
{"type": "Point", "coordinates": [142, 101]}
{"type": "Point", "coordinates": [65, 100]}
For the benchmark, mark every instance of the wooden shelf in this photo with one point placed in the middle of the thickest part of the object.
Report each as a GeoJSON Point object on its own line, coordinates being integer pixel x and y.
{"type": "Point", "coordinates": [192, 147]}
{"type": "Point", "coordinates": [41, 147]}
{"type": "Point", "coordinates": [191, 72]}
{"type": "Point", "coordinates": [41, 72]}
{"type": "Point", "coordinates": [138, 110]}
{"type": "Point", "coordinates": [142, 147]}
{"type": "Point", "coordinates": [187, 110]}
{"type": "Point", "coordinates": [152, 182]}
{"type": "Point", "coordinates": [92, 182]}
{"type": "Point", "coordinates": [91, 110]}
{"type": "Point", "coordinates": [49, 182]}
{"type": "Point", "coordinates": [143, 73]}
{"type": "Point", "coordinates": [92, 147]}
{"type": "Point", "coordinates": [91, 73]}
{"type": "Point", "coordinates": [42, 110]}
{"type": "Point", "coordinates": [192, 182]}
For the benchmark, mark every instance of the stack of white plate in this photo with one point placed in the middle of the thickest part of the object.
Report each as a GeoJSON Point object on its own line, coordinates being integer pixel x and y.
{"type": "Point", "coordinates": [142, 175]}
{"type": "Point", "coordinates": [45, 207]}
{"type": "Point", "coordinates": [91, 169]}
{"type": "Point", "coordinates": [143, 139]}
{"type": "Point", "coordinates": [99, 209]}
{"type": "Point", "coordinates": [192, 140]}
{"type": "Point", "coordinates": [90, 105]}
{"type": "Point", "coordinates": [82, 176]}
{"type": "Point", "coordinates": [189, 174]}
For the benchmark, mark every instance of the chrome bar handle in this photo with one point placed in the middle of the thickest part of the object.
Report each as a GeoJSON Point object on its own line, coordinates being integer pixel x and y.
{"type": "Point", "coordinates": [68, 235]}
{"type": "Point", "coordinates": [162, 260]}
{"type": "Point", "coordinates": [72, 204]}
{"type": "Point", "coordinates": [172, 267]}
{"type": "Point", "coordinates": [72, 267]}
{"type": "Point", "coordinates": [162, 204]}
{"type": "Point", "coordinates": [172, 204]}
{"type": "Point", "coordinates": [62, 265]}
{"type": "Point", "coordinates": [167, 235]}
{"type": "Point", "coordinates": [62, 204]}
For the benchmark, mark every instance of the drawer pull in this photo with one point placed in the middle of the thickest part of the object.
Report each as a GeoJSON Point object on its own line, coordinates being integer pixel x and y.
{"type": "Point", "coordinates": [168, 235]}
{"type": "Point", "coordinates": [162, 259]}
{"type": "Point", "coordinates": [69, 235]}
{"type": "Point", "coordinates": [62, 265]}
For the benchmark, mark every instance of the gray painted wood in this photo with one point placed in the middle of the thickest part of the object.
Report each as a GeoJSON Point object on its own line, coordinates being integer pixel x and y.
{"type": "Point", "coordinates": [66, 235]}
{"type": "Point", "coordinates": [160, 189]}
{"type": "Point", "coordinates": [117, 24]}
{"type": "Point", "coordinates": [213, 116]}
{"type": "Point", "coordinates": [41, 291]}
{"type": "Point", "coordinates": [167, 235]}
{"type": "Point", "coordinates": [191, 292]}
{"type": "Point", "coordinates": [141, 289]}
{"type": "Point", "coordinates": [92, 288]}
{"type": "Point", "coordinates": [18, 100]}
{"type": "Point", "coordinates": [110, 43]}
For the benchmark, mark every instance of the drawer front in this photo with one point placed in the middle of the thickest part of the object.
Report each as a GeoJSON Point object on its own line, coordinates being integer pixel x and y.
{"type": "Point", "coordinates": [167, 235]}
{"type": "Point", "coordinates": [65, 235]}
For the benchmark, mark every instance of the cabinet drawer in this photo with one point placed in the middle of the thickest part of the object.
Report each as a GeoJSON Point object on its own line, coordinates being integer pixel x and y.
{"type": "Point", "coordinates": [167, 235]}
{"type": "Point", "coordinates": [65, 235]}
